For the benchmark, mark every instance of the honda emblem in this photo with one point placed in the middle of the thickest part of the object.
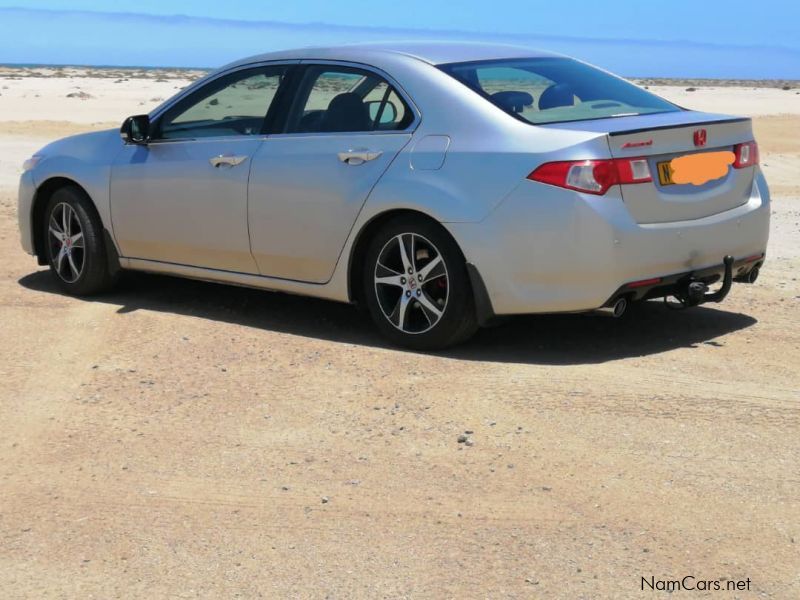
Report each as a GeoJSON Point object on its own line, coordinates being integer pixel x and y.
{"type": "Point", "coordinates": [700, 137]}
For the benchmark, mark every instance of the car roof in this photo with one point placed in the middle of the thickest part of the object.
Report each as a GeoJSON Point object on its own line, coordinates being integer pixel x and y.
{"type": "Point", "coordinates": [434, 53]}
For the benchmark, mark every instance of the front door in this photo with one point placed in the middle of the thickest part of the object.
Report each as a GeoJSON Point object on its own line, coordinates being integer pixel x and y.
{"type": "Point", "coordinates": [308, 184]}
{"type": "Point", "coordinates": [182, 198]}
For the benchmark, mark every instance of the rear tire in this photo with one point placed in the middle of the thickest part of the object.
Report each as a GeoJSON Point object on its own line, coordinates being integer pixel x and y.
{"type": "Point", "coordinates": [74, 243]}
{"type": "Point", "coordinates": [416, 285]}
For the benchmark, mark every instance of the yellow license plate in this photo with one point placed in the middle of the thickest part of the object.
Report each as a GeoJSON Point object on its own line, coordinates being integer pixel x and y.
{"type": "Point", "coordinates": [695, 169]}
{"type": "Point", "coordinates": [665, 173]}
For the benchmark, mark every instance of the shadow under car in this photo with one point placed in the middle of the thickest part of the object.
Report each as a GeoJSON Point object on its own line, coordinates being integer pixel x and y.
{"type": "Point", "coordinates": [558, 339]}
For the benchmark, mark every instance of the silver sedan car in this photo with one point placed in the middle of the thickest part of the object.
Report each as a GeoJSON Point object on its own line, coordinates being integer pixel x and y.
{"type": "Point", "coordinates": [438, 185]}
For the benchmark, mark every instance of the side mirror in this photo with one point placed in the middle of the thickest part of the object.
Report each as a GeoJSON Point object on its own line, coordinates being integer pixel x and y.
{"type": "Point", "coordinates": [135, 130]}
{"type": "Point", "coordinates": [388, 115]}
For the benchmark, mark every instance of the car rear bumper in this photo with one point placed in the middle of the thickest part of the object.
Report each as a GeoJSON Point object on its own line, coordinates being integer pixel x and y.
{"type": "Point", "coordinates": [546, 249]}
{"type": "Point", "coordinates": [674, 284]}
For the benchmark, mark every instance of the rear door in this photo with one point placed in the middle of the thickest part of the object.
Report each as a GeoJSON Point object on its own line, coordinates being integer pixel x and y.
{"type": "Point", "coordinates": [308, 183]}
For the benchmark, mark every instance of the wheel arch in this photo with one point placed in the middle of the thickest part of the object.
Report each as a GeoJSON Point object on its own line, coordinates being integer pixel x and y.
{"type": "Point", "coordinates": [358, 250]}
{"type": "Point", "coordinates": [42, 196]}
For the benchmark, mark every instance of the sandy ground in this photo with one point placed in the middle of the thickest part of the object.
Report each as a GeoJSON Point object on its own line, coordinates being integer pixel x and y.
{"type": "Point", "coordinates": [183, 439]}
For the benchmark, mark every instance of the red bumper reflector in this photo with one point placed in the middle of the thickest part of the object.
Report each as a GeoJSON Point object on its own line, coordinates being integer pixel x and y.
{"type": "Point", "coordinates": [754, 258]}
{"type": "Point", "coordinates": [644, 282]}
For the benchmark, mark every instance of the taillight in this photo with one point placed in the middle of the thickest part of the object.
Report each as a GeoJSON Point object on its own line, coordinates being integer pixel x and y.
{"type": "Point", "coordinates": [746, 155]}
{"type": "Point", "coordinates": [593, 176]}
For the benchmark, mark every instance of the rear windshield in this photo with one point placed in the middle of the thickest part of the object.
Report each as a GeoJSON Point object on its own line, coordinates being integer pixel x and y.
{"type": "Point", "coordinates": [555, 90]}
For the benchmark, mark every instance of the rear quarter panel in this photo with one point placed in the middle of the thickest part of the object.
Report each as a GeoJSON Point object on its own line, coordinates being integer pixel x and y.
{"type": "Point", "coordinates": [489, 152]}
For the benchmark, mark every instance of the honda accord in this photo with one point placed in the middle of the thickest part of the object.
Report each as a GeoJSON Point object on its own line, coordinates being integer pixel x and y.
{"type": "Point", "coordinates": [439, 185]}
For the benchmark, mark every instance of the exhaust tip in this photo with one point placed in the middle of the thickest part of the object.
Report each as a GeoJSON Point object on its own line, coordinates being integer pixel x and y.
{"type": "Point", "coordinates": [753, 275]}
{"type": "Point", "coordinates": [619, 307]}
{"type": "Point", "coordinates": [615, 310]}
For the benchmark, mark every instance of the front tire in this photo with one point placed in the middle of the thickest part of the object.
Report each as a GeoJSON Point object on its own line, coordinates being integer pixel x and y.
{"type": "Point", "coordinates": [416, 285]}
{"type": "Point", "coordinates": [74, 245]}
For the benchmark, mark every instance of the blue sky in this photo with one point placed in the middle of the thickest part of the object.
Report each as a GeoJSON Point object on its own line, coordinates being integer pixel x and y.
{"type": "Point", "coordinates": [688, 38]}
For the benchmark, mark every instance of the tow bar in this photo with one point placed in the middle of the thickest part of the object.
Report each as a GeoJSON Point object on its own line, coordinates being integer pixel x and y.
{"type": "Point", "coordinates": [694, 292]}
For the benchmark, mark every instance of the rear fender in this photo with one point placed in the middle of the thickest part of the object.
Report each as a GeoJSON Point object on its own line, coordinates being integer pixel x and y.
{"type": "Point", "coordinates": [476, 174]}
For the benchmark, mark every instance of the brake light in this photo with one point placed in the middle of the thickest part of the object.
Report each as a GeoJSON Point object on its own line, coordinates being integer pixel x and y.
{"type": "Point", "coordinates": [593, 176]}
{"type": "Point", "coordinates": [746, 155]}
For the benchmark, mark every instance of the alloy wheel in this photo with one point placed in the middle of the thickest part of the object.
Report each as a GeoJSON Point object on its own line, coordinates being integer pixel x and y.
{"type": "Point", "coordinates": [67, 249]}
{"type": "Point", "coordinates": [411, 283]}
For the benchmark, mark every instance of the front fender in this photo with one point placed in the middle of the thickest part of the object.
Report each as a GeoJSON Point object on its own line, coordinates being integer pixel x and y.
{"type": "Point", "coordinates": [84, 159]}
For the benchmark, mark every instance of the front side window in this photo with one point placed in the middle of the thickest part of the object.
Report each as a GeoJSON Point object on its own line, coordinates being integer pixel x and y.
{"type": "Point", "coordinates": [345, 99]}
{"type": "Point", "coordinates": [236, 104]}
{"type": "Point", "coordinates": [555, 90]}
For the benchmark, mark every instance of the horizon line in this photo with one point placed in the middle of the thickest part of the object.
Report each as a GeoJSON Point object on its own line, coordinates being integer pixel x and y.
{"type": "Point", "coordinates": [313, 25]}
{"type": "Point", "coordinates": [211, 69]}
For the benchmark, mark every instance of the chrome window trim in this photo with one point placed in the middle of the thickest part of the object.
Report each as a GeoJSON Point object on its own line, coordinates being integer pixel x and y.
{"type": "Point", "coordinates": [210, 138]}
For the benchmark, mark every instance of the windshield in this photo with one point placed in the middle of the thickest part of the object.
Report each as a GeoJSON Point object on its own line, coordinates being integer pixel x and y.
{"type": "Point", "coordinates": [555, 89]}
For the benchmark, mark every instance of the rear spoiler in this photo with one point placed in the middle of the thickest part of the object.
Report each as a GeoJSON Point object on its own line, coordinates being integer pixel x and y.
{"type": "Point", "coordinates": [695, 124]}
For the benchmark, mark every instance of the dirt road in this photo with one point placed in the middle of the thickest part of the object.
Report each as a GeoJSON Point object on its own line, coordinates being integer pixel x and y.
{"type": "Point", "coordinates": [183, 439]}
{"type": "Point", "coordinates": [178, 438]}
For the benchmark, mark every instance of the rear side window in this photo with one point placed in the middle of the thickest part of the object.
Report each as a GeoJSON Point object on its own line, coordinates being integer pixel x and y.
{"type": "Point", "coordinates": [345, 99]}
{"type": "Point", "coordinates": [386, 108]}
{"type": "Point", "coordinates": [555, 90]}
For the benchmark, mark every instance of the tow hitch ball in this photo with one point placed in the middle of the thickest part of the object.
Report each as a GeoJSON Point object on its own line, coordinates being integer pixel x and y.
{"type": "Point", "coordinates": [692, 292]}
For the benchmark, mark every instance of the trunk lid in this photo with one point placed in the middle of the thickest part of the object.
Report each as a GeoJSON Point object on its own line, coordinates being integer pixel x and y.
{"type": "Point", "coordinates": [662, 137]}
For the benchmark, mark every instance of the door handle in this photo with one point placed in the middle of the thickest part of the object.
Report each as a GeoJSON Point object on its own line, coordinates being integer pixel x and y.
{"type": "Point", "coordinates": [226, 159]}
{"type": "Point", "coordinates": [358, 157]}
